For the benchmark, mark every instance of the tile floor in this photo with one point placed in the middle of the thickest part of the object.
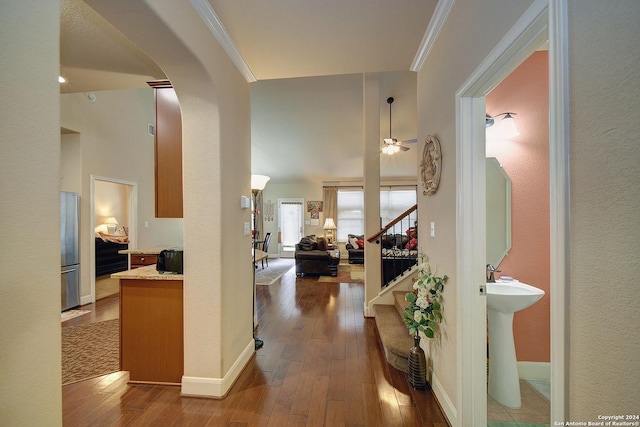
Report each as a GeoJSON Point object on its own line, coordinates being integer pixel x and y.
{"type": "Point", "coordinates": [535, 407]}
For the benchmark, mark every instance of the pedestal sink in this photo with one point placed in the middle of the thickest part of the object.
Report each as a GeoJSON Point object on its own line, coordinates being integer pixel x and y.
{"type": "Point", "coordinates": [503, 299]}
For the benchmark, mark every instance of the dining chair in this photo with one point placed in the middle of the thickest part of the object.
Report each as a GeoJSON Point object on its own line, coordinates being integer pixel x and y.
{"type": "Point", "coordinates": [265, 248]}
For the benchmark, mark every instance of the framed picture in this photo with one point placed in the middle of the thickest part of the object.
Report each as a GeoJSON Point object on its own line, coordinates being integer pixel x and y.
{"type": "Point", "coordinates": [314, 206]}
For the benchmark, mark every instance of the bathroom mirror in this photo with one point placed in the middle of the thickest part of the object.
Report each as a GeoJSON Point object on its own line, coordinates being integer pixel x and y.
{"type": "Point", "coordinates": [498, 212]}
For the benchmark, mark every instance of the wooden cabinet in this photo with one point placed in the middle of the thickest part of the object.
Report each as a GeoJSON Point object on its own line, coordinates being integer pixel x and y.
{"type": "Point", "coordinates": [168, 151]}
{"type": "Point", "coordinates": [151, 330]}
{"type": "Point", "coordinates": [138, 261]}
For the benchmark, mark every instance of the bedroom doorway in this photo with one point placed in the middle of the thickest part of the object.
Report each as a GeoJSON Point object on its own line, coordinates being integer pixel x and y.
{"type": "Point", "coordinates": [290, 225]}
{"type": "Point", "coordinates": [111, 199]}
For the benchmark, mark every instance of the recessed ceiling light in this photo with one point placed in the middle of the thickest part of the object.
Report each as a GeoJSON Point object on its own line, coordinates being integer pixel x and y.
{"type": "Point", "coordinates": [61, 79]}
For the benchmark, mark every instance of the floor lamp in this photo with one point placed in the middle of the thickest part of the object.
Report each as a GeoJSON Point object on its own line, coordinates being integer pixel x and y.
{"type": "Point", "coordinates": [258, 182]}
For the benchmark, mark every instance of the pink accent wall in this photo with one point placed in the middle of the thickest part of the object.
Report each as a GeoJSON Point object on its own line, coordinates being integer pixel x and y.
{"type": "Point", "coordinates": [525, 158]}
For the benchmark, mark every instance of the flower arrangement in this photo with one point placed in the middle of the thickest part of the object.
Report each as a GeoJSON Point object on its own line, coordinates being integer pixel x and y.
{"type": "Point", "coordinates": [423, 312]}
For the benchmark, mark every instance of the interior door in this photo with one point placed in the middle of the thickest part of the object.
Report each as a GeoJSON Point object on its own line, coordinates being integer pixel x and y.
{"type": "Point", "coordinates": [290, 225]}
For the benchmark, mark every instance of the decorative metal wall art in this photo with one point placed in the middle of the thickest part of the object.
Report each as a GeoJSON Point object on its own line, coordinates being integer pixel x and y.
{"type": "Point", "coordinates": [268, 210]}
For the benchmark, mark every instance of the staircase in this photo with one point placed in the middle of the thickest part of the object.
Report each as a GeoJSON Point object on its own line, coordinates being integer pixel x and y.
{"type": "Point", "coordinates": [392, 331]}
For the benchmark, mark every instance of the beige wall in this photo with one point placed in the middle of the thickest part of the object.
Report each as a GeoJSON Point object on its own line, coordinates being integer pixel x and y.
{"type": "Point", "coordinates": [605, 204]}
{"type": "Point", "coordinates": [215, 104]}
{"type": "Point", "coordinates": [326, 113]}
{"type": "Point", "coordinates": [111, 200]}
{"type": "Point", "coordinates": [30, 392]}
{"type": "Point", "coordinates": [471, 31]}
{"type": "Point", "coordinates": [303, 190]}
{"type": "Point", "coordinates": [602, 290]}
{"type": "Point", "coordinates": [604, 240]}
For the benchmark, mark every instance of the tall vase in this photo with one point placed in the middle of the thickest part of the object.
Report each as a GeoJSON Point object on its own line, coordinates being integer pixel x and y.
{"type": "Point", "coordinates": [417, 365]}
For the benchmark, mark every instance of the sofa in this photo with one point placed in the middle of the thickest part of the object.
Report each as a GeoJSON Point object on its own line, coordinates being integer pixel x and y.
{"type": "Point", "coordinates": [313, 258]}
{"type": "Point", "coordinates": [355, 249]}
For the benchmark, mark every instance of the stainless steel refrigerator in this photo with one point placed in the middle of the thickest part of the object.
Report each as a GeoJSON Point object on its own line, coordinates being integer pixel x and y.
{"type": "Point", "coordinates": [70, 249]}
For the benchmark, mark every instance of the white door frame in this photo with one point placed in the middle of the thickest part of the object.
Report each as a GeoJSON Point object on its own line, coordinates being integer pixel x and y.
{"type": "Point", "coordinates": [132, 221]}
{"type": "Point", "coordinates": [544, 19]}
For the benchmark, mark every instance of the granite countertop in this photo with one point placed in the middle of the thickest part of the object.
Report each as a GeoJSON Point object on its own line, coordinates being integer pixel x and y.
{"type": "Point", "coordinates": [154, 250]}
{"type": "Point", "coordinates": [146, 273]}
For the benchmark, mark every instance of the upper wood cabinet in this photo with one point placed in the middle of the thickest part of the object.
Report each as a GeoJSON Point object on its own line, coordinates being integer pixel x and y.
{"type": "Point", "coordinates": [168, 151]}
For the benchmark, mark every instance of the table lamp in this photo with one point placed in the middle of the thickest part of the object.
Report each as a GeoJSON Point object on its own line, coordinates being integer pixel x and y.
{"type": "Point", "coordinates": [330, 228]}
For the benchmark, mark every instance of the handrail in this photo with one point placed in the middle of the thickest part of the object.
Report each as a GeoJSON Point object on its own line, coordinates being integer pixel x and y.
{"type": "Point", "coordinates": [392, 223]}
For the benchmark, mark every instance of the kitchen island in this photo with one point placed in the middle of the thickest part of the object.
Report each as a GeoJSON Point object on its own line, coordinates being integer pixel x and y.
{"type": "Point", "coordinates": [151, 325]}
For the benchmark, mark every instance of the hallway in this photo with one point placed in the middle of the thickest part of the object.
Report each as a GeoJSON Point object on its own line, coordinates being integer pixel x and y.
{"type": "Point", "coordinates": [321, 364]}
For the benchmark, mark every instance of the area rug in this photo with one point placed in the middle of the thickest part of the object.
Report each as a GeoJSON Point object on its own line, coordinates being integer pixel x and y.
{"type": "Point", "coordinates": [90, 350]}
{"type": "Point", "coordinates": [276, 269]}
{"type": "Point", "coordinates": [72, 314]}
{"type": "Point", "coordinates": [350, 267]}
{"type": "Point", "coordinates": [344, 277]}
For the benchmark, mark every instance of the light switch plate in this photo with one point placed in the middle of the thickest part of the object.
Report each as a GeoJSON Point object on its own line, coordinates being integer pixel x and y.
{"type": "Point", "coordinates": [247, 228]}
{"type": "Point", "coordinates": [245, 203]}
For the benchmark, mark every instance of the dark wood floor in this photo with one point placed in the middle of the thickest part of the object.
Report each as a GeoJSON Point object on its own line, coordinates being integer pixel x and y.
{"type": "Point", "coordinates": [321, 365]}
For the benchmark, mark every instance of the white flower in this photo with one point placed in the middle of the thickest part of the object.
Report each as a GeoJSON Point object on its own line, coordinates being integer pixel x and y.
{"type": "Point", "coordinates": [417, 316]}
{"type": "Point", "coordinates": [422, 302]}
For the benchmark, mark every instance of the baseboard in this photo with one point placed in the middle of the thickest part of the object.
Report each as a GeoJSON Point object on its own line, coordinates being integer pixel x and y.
{"type": "Point", "coordinates": [443, 400]}
{"type": "Point", "coordinates": [217, 387]}
{"type": "Point", "coordinates": [86, 300]}
{"type": "Point", "coordinates": [534, 370]}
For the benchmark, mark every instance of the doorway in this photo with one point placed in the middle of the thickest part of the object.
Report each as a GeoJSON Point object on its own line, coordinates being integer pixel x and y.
{"type": "Point", "coordinates": [114, 199]}
{"type": "Point", "coordinates": [542, 21]}
{"type": "Point", "coordinates": [290, 225]}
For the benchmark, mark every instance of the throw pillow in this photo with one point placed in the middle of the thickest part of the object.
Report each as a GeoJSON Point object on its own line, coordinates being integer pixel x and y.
{"type": "Point", "coordinates": [412, 244]}
{"type": "Point", "coordinates": [360, 243]}
{"type": "Point", "coordinates": [353, 241]}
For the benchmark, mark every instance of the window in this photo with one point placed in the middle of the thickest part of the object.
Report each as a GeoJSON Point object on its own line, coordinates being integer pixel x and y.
{"type": "Point", "coordinates": [350, 213]}
{"type": "Point", "coordinates": [393, 202]}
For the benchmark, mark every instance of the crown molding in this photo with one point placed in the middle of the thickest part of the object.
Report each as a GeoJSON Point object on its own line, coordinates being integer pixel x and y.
{"type": "Point", "coordinates": [211, 20]}
{"type": "Point", "coordinates": [435, 25]}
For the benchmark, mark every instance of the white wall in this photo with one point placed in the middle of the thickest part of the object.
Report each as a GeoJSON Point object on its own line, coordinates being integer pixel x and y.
{"type": "Point", "coordinates": [605, 203]}
{"type": "Point", "coordinates": [30, 390]}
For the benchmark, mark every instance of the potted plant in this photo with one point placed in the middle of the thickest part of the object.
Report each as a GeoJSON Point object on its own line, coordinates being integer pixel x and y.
{"type": "Point", "coordinates": [422, 315]}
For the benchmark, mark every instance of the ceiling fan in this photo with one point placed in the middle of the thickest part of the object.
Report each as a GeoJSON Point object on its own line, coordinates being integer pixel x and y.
{"type": "Point", "coordinates": [391, 145]}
